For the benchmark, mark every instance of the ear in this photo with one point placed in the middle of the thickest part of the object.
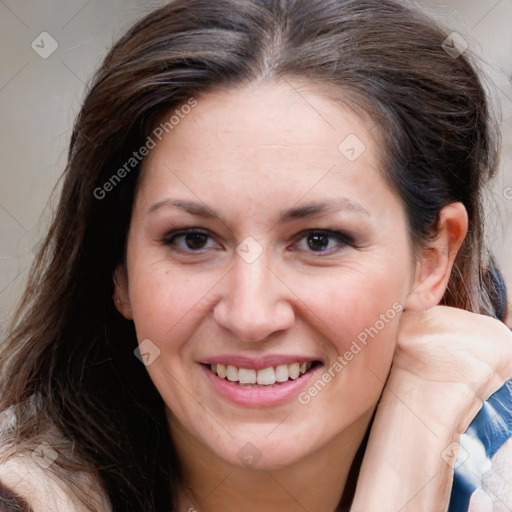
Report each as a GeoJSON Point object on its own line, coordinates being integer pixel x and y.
{"type": "Point", "coordinates": [121, 296]}
{"type": "Point", "coordinates": [435, 261]}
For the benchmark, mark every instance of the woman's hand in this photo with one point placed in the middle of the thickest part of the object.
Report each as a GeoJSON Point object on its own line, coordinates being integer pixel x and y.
{"type": "Point", "coordinates": [459, 358]}
{"type": "Point", "coordinates": [447, 362]}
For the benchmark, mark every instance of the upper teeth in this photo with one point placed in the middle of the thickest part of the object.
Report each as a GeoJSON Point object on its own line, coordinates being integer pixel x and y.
{"type": "Point", "coordinates": [265, 376]}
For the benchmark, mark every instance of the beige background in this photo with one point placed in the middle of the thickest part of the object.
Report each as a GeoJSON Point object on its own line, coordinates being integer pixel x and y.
{"type": "Point", "coordinates": [39, 98]}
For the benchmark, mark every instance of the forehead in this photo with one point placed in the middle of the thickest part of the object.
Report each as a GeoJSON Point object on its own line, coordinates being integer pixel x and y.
{"type": "Point", "coordinates": [239, 140]}
{"type": "Point", "coordinates": [285, 113]}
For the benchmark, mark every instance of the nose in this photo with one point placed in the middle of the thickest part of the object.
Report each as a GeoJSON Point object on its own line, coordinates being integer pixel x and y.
{"type": "Point", "coordinates": [255, 302]}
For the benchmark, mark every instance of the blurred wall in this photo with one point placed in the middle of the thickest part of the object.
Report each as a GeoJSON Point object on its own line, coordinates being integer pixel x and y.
{"type": "Point", "coordinates": [49, 50]}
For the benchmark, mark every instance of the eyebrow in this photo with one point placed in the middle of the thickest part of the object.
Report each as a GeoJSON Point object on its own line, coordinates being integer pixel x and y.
{"type": "Point", "coordinates": [318, 208]}
{"type": "Point", "coordinates": [299, 212]}
{"type": "Point", "coordinates": [191, 207]}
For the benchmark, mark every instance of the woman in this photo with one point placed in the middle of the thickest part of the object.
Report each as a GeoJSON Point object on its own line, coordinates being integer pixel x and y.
{"type": "Point", "coordinates": [265, 203]}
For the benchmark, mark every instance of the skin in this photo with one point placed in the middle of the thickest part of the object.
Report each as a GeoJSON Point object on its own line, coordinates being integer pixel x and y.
{"type": "Point", "coordinates": [249, 154]}
{"type": "Point", "coordinates": [447, 362]}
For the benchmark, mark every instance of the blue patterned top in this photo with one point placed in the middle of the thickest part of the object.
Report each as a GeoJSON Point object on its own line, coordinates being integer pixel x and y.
{"type": "Point", "coordinates": [476, 467]}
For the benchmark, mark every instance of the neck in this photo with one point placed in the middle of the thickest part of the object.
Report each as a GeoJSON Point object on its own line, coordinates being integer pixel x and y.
{"type": "Point", "coordinates": [315, 482]}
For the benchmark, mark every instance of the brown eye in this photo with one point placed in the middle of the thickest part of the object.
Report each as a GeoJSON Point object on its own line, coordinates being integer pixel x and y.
{"type": "Point", "coordinates": [318, 242]}
{"type": "Point", "coordinates": [196, 240]}
{"type": "Point", "coordinates": [323, 241]}
{"type": "Point", "coordinates": [189, 241]}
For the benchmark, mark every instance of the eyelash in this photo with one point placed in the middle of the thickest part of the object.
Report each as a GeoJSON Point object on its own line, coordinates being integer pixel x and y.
{"type": "Point", "coordinates": [169, 239]}
{"type": "Point", "coordinates": [343, 240]}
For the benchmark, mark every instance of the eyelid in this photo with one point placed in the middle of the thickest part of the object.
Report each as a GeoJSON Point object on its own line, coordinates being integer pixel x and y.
{"type": "Point", "coordinates": [169, 237]}
{"type": "Point", "coordinates": [185, 231]}
{"type": "Point", "coordinates": [343, 238]}
{"type": "Point", "coordinates": [340, 235]}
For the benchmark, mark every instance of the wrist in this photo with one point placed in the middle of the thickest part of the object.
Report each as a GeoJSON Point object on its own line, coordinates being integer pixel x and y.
{"type": "Point", "coordinates": [446, 407]}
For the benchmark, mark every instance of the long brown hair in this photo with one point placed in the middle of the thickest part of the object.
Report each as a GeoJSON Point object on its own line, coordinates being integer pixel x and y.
{"type": "Point", "coordinates": [69, 354]}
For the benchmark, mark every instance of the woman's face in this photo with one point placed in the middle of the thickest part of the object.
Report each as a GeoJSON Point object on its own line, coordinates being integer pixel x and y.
{"type": "Point", "coordinates": [263, 243]}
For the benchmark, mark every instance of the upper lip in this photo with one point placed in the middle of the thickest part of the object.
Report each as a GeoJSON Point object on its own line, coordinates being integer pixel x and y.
{"type": "Point", "coordinates": [257, 363]}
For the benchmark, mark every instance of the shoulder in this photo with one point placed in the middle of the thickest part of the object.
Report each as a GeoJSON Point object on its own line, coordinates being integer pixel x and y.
{"type": "Point", "coordinates": [483, 472]}
{"type": "Point", "coordinates": [28, 483]}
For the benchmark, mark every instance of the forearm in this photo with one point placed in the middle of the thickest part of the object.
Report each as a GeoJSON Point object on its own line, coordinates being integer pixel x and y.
{"type": "Point", "coordinates": [408, 464]}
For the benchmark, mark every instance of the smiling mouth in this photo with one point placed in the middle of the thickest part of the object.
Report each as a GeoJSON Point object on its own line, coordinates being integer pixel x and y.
{"type": "Point", "coordinates": [248, 377]}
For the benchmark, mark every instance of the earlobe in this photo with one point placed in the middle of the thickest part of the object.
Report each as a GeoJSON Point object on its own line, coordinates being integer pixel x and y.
{"type": "Point", "coordinates": [436, 259]}
{"type": "Point", "coordinates": [121, 296]}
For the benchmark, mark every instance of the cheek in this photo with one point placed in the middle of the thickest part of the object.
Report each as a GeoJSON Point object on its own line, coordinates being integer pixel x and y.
{"type": "Point", "coordinates": [353, 302]}
{"type": "Point", "coordinates": [166, 304]}
{"type": "Point", "coordinates": [358, 315]}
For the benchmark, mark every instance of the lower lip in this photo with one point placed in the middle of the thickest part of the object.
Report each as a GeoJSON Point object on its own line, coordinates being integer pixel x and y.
{"type": "Point", "coordinates": [263, 396]}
